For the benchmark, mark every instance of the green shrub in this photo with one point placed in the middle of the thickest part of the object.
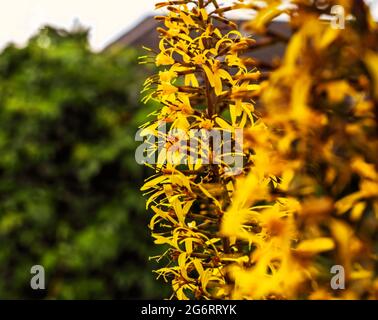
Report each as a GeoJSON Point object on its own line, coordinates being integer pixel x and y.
{"type": "Point", "coordinates": [69, 183]}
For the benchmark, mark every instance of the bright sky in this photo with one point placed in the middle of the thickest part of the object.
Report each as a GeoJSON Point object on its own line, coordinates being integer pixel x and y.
{"type": "Point", "coordinates": [107, 19]}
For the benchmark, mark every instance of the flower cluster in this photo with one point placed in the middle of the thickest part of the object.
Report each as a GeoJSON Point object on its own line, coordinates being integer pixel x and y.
{"type": "Point", "coordinates": [205, 85]}
{"type": "Point", "coordinates": [306, 197]}
{"type": "Point", "coordinates": [320, 144]}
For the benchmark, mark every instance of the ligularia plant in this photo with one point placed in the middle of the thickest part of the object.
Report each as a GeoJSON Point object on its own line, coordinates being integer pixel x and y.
{"type": "Point", "coordinates": [206, 90]}
{"type": "Point", "coordinates": [262, 204]}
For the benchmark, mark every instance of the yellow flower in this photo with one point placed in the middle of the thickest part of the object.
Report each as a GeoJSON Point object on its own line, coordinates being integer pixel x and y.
{"type": "Point", "coordinates": [162, 59]}
{"type": "Point", "coordinates": [167, 89]}
{"type": "Point", "coordinates": [167, 76]}
{"type": "Point", "coordinates": [215, 75]}
{"type": "Point", "coordinates": [199, 59]}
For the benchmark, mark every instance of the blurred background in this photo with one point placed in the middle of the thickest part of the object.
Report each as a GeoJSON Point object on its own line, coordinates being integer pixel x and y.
{"type": "Point", "coordinates": [69, 184]}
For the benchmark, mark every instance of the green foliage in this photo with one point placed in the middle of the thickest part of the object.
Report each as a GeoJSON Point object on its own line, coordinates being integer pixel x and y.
{"type": "Point", "coordinates": [69, 183]}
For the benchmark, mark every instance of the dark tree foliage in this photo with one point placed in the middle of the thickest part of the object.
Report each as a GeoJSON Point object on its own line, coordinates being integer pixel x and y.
{"type": "Point", "coordinates": [69, 183]}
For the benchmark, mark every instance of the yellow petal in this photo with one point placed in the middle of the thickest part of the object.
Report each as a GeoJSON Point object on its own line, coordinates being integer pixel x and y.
{"type": "Point", "coordinates": [153, 182]}
{"type": "Point", "coordinates": [315, 246]}
{"type": "Point", "coordinates": [223, 124]}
